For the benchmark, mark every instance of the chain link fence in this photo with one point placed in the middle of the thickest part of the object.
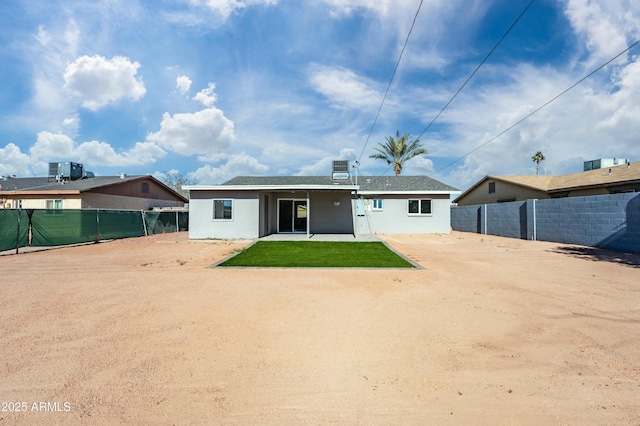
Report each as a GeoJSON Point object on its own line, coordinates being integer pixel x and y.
{"type": "Point", "coordinates": [45, 228]}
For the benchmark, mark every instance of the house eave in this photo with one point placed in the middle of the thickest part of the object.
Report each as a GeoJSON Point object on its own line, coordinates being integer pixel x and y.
{"type": "Point", "coordinates": [423, 192]}
{"type": "Point", "coordinates": [270, 188]}
{"type": "Point", "coordinates": [276, 188]}
{"type": "Point", "coordinates": [606, 185]}
{"type": "Point", "coordinates": [43, 193]}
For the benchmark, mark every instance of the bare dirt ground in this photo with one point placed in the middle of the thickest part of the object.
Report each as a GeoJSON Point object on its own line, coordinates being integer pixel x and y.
{"type": "Point", "coordinates": [493, 331]}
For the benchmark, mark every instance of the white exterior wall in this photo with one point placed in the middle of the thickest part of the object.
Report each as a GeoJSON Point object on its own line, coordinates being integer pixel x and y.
{"type": "Point", "coordinates": [68, 202]}
{"type": "Point", "coordinates": [395, 219]}
{"type": "Point", "coordinates": [245, 215]}
{"type": "Point", "coordinates": [249, 212]}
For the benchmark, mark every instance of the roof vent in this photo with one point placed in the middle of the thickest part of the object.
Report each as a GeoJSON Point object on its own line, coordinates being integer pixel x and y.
{"type": "Point", "coordinates": [123, 175]}
{"type": "Point", "coordinates": [340, 169]}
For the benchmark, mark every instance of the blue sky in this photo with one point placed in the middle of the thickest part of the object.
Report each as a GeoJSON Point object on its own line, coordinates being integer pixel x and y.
{"type": "Point", "coordinates": [220, 88]}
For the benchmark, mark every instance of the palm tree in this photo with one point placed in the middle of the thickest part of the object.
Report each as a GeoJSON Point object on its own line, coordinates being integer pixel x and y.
{"type": "Point", "coordinates": [397, 151]}
{"type": "Point", "coordinates": [538, 158]}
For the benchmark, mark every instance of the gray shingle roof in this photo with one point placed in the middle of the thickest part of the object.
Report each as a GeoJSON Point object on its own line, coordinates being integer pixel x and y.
{"type": "Point", "coordinates": [37, 184]}
{"type": "Point", "coordinates": [402, 183]}
{"type": "Point", "coordinates": [366, 183]}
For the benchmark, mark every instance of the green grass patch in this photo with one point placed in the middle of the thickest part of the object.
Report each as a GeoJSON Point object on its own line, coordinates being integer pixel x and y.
{"type": "Point", "coordinates": [317, 254]}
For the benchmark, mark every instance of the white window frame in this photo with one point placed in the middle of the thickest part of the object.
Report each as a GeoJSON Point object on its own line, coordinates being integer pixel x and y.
{"type": "Point", "coordinates": [420, 200]}
{"type": "Point", "coordinates": [377, 208]}
{"type": "Point", "coordinates": [57, 204]}
{"type": "Point", "coordinates": [223, 207]}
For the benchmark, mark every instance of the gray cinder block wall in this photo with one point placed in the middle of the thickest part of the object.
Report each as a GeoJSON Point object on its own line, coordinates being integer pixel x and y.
{"type": "Point", "coordinates": [606, 221]}
{"type": "Point", "coordinates": [467, 219]}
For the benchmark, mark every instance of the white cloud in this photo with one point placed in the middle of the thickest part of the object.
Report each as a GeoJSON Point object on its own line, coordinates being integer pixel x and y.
{"type": "Point", "coordinates": [58, 147]}
{"type": "Point", "coordinates": [323, 167]}
{"type": "Point", "coordinates": [52, 147]}
{"type": "Point", "coordinates": [380, 7]}
{"type": "Point", "coordinates": [201, 132]}
{"type": "Point", "coordinates": [103, 154]}
{"type": "Point", "coordinates": [183, 83]}
{"type": "Point", "coordinates": [213, 157]}
{"type": "Point", "coordinates": [14, 161]}
{"type": "Point", "coordinates": [212, 12]}
{"type": "Point", "coordinates": [430, 45]}
{"type": "Point", "coordinates": [99, 81]}
{"type": "Point", "coordinates": [43, 37]}
{"type": "Point", "coordinates": [47, 53]}
{"type": "Point", "coordinates": [237, 165]}
{"type": "Point", "coordinates": [420, 165]}
{"type": "Point", "coordinates": [71, 121]}
{"type": "Point", "coordinates": [607, 26]}
{"type": "Point", "coordinates": [206, 96]}
{"type": "Point", "coordinates": [343, 87]}
{"type": "Point", "coordinates": [589, 122]}
{"type": "Point", "coordinates": [224, 8]}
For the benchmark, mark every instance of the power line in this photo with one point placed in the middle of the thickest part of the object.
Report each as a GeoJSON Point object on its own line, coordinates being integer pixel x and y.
{"type": "Point", "coordinates": [543, 106]}
{"type": "Point", "coordinates": [406, 41]}
{"type": "Point", "coordinates": [477, 68]}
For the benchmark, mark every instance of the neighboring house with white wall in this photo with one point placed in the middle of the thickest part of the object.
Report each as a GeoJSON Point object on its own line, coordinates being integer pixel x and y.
{"type": "Point", "coordinates": [249, 207]}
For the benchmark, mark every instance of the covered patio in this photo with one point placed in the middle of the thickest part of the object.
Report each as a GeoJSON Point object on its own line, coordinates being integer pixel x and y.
{"type": "Point", "coordinates": [321, 237]}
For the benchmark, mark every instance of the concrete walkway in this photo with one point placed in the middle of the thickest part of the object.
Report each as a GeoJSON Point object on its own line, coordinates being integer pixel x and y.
{"type": "Point", "coordinates": [320, 237]}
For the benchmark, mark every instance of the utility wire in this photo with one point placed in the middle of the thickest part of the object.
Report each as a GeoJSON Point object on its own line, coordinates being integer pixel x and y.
{"type": "Point", "coordinates": [543, 106]}
{"type": "Point", "coordinates": [391, 80]}
{"type": "Point", "coordinates": [477, 68]}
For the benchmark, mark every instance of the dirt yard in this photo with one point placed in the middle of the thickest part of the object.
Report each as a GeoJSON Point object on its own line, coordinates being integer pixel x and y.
{"type": "Point", "coordinates": [492, 331]}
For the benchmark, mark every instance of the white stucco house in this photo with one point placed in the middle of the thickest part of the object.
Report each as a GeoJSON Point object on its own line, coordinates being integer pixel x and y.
{"type": "Point", "coordinates": [249, 207]}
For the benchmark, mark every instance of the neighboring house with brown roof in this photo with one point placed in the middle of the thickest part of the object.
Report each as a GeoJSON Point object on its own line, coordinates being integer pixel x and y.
{"type": "Point", "coordinates": [500, 189]}
{"type": "Point", "coordinates": [99, 192]}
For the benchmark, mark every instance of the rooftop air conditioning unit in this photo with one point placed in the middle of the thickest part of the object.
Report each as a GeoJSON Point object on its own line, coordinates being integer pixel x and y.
{"type": "Point", "coordinates": [603, 163]}
{"type": "Point", "coordinates": [66, 171]}
{"type": "Point", "coordinates": [340, 169]}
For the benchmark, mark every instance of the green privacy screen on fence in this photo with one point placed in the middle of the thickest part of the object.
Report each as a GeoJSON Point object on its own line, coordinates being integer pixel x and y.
{"type": "Point", "coordinates": [121, 224]}
{"type": "Point", "coordinates": [60, 227]}
{"type": "Point", "coordinates": [41, 228]}
{"type": "Point", "coordinates": [9, 229]}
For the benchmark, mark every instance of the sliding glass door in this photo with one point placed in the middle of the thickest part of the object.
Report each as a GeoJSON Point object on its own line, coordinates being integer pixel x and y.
{"type": "Point", "coordinates": [292, 215]}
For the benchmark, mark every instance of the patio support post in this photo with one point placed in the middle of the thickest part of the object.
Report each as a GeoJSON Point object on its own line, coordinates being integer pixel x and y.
{"type": "Point", "coordinates": [308, 215]}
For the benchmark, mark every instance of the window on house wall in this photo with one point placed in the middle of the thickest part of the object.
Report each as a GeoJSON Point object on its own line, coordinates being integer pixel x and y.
{"type": "Point", "coordinates": [53, 204]}
{"type": "Point", "coordinates": [419, 207]}
{"type": "Point", "coordinates": [492, 187]}
{"type": "Point", "coordinates": [376, 204]}
{"type": "Point", "coordinates": [223, 209]}
{"type": "Point", "coordinates": [145, 187]}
